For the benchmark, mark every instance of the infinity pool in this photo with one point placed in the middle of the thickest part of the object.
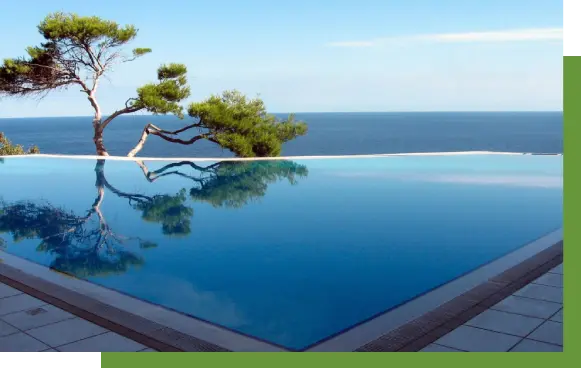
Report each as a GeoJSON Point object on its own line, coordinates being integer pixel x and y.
{"type": "Point", "coordinates": [290, 252]}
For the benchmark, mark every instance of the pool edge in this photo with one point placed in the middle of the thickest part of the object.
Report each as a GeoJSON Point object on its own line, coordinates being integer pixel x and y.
{"type": "Point", "coordinates": [405, 323]}
{"type": "Point", "coordinates": [426, 328]}
{"type": "Point", "coordinates": [314, 157]}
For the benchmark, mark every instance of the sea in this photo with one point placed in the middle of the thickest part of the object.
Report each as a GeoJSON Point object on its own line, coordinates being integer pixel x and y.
{"type": "Point", "coordinates": [329, 134]}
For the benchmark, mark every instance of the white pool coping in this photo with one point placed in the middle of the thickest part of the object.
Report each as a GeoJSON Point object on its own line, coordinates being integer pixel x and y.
{"type": "Point", "coordinates": [125, 158]}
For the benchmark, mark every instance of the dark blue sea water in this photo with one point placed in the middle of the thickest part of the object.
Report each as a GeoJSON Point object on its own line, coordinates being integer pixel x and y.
{"type": "Point", "coordinates": [287, 251]}
{"type": "Point", "coordinates": [329, 134]}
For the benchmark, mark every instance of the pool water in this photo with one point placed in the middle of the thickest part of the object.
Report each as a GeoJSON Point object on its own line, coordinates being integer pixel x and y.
{"type": "Point", "coordinates": [290, 252]}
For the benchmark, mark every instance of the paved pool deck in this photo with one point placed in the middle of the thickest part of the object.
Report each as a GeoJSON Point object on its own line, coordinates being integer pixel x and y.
{"type": "Point", "coordinates": [28, 324]}
{"type": "Point", "coordinates": [529, 320]}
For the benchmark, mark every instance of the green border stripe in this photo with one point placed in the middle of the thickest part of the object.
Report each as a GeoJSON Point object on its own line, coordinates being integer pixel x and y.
{"type": "Point", "coordinates": [319, 360]}
{"type": "Point", "coordinates": [572, 202]}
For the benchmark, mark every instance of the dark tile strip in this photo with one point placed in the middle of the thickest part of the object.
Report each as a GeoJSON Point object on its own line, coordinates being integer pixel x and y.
{"type": "Point", "coordinates": [426, 329]}
{"type": "Point", "coordinates": [134, 327]}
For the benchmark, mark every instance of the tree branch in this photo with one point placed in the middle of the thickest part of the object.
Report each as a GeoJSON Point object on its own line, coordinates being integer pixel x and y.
{"type": "Point", "coordinates": [152, 129]}
{"type": "Point", "coordinates": [196, 125]}
{"type": "Point", "coordinates": [159, 130]}
{"type": "Point", "coordinates": [127, 102]}
{"type": "Point", "coordinates": [73, 50]}
{"type": "Point", "coordinates": [181, 141]}
{"type": "Point", "coordinates": [102, 180]}
{"type": "Point", "coordinates": [126, 110]}
{"type": "Point", "coordinates": [151, 176]}
{"type": "Point", "coordinates": [187, 163]}
{"type": "Point", "coordinates": [94, 58]}
{"type": "Point", "coordinates": [93, 62]}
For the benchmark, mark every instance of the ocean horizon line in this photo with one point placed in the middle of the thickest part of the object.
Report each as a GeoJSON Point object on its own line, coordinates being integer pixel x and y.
{"type": "Point", "coordinates": [324, 112]}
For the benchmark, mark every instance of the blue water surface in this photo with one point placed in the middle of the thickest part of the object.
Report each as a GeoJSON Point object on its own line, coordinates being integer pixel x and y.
{"type": "Point", "coordinates": [290, 252]}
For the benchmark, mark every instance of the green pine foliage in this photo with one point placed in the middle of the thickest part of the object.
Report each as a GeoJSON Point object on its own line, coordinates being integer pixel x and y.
{"type": "Point", "coordinates": [168, 210]}
{"type": "Point", "coordinates": [76, 49]}
{"type": "Point", "coordinates": [8, 149]}
{"type": "Point", "coordinates": [234, 184]}
{"type": "Point", "coordinates": [85, 30]}
{"type": "Point", "coordinates": [164, 96]}
{"type": "Point", "coordinates": [243, 126]}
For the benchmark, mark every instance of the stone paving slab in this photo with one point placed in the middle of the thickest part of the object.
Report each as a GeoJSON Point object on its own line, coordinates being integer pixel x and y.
{"type": "Point", "coordinates": [435, 348]}
{"type": "Point", "coordinates": [21, 342]}
{"type": "Point", "coordinates": [36, 317]}
{"type": "Point", "coordinates": [530, 320]}
{"type": "Point", "coordinates": [28, 324]}
{"type": "Point", "coordinates": [18, 303]}
{"type": "Point", "coordinates": [550, 279]}
{"type": "Point", "coordinates": [6, 291]}
{"type": "Point", "coordinates": [527, 307]}
{"type": "Point", "coordinates": [109, 341]}
{"type": "Point", "coordinates": [474, 339]}
{"type": "Point", "coordinates": [6, 329]}
{"type": "Point", "coordinates": [527, 345]}
{"type": "Point", "coordinates": [558, 317]}
{"type": "Point", "coordinates": [541, 292]}
{"type": "Point", "coordinates": [508, 323]}
{"type": "Point", "coordinates": [65, 332]}
{"type": "Point", "coordinates": [558, 269]}
{"type": "Point", "coordinates": [549, 332]}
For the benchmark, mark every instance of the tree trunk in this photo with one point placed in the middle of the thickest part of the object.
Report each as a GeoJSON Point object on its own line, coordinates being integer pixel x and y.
{"type": "Point", "coordinates": [98, 138]}
{"type": "Point", "coordinates": [97, 126]}
{"type": "Point", "coordinates": [140, 143]}
{"type": "Point", "coordinates": [100, 173]}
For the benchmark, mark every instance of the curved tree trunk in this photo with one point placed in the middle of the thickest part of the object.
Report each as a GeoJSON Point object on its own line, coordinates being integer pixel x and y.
{"type": "Point", "coordinates": [97, 126]}
{"type": "Point", "coordinates": [98, 139]}
{"type": "Point", "coordinates": [139, 146]}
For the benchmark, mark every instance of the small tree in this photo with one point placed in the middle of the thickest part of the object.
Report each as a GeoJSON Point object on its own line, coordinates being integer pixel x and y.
{"type": "Point", "coordinates": [7, 148]}
{"type": "Point", "coordinates": [79, 51]}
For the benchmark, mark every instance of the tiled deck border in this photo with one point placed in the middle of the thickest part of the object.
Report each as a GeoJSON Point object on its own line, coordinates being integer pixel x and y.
{"type": "Point", "coordinates": [139, 329]}
{"type": "Point", "coordinates": [412, 336]}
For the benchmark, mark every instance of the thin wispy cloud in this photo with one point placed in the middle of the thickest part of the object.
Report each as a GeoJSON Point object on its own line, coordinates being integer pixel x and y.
{"type": "Point", "coordinates": [518, 35]}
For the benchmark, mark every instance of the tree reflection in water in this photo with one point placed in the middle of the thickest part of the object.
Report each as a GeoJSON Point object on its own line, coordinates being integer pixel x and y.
{"type": "Point", "coordinates": [87, 245]}
{"type": "Point", "coordinates": [168, 210]}
{"type": "Point", "coordinates": [231, 184]}
{"type": "Point", "coordinates": [81, 245]}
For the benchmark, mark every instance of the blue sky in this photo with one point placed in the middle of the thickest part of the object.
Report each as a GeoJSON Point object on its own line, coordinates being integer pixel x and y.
{"type": "Point", "coordinates": [382, 55]}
